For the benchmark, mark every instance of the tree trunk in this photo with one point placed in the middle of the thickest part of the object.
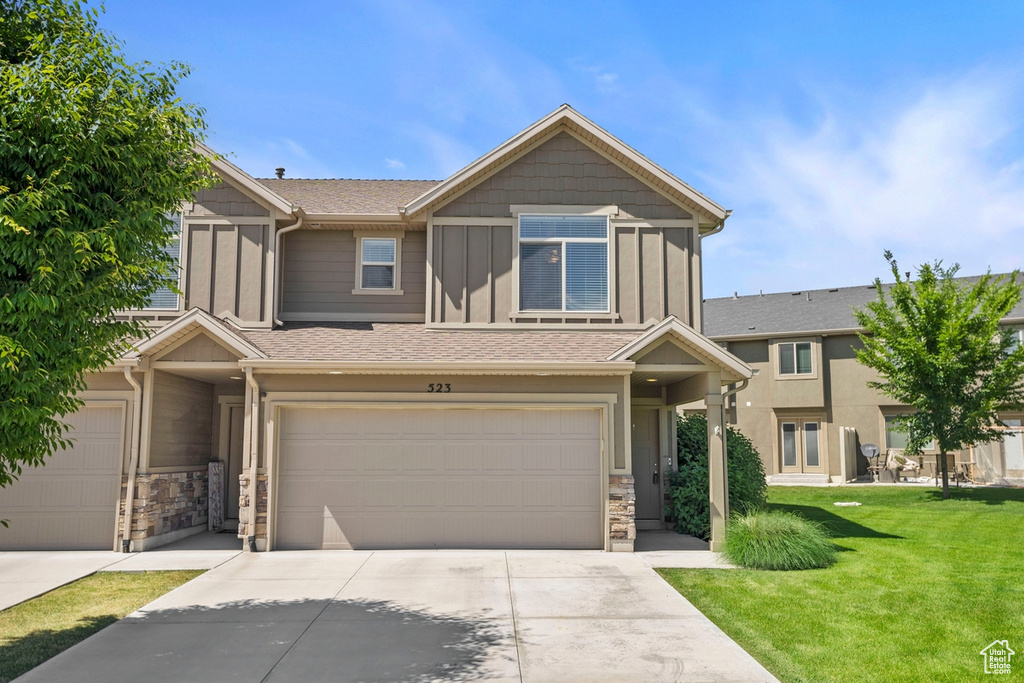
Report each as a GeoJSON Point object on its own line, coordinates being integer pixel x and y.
{"type": "Point", "coordinates": [945, 477]}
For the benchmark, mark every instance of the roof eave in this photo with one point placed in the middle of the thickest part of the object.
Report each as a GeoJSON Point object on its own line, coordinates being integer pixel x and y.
{"type": "Point", "coordinates": [238, 177]}
{"type": "Point", "coordinates": [560, 116]}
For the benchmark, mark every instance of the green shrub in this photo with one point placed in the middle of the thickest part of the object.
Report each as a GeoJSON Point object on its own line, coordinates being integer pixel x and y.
{"type": "Point", "coordinates": [777, 540]}
{"type": "Point", "coordinates": [688, 487]}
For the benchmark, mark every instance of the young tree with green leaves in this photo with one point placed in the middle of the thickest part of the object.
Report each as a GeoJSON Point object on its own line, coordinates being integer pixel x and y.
{"type": "Point", "coordinates": [938, 346]}
{"type": "Point", "coordinates": [94, 154]}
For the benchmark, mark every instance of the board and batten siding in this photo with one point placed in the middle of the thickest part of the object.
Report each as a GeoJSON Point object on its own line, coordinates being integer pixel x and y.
{"type": "Point", "coordinates": [473, 259]}
{"type": "Point", "coordinates": [474, 282]}
{"type": "Point", "coordinates": [227, 269]}
{"type": "Point", "coordinates": [319, 274]}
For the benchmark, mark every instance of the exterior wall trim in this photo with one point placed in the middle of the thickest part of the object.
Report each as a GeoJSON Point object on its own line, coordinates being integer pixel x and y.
{"type": "Point", "coordinates": [353, 317]}
{"type": "Point", "coordinates": [432, 368]}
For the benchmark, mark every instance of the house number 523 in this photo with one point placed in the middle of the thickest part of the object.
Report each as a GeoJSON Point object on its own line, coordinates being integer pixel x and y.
{"type": "Point", "coordinates": [439, 388]}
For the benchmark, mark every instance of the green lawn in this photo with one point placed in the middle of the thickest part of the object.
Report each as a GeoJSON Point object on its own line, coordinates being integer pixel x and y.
{"type": "Point", "coordinates": [921, 586]}
{"type": "Point", "coordinates": [36, 630]}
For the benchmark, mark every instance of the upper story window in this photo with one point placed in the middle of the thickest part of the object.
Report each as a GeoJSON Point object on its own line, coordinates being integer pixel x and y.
{"type": "Point", "coordinates": [380, 263]}
{"type": "Point", "coordinates": [165, 298]}
{"type": "Point", "coordinates": [563, 263]}
{"type": "Point", "coordinates": [795, 358]}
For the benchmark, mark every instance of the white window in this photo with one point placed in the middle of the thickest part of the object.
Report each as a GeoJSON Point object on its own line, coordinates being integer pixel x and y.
{"type": "Point", "coordinates": [379, 263]}
{"type": "Point", "coordinates": [164, 298]}
{"type": "Point", "coordinates": [563, 263]}
{"type": "Point", "coordinates": [795, 358]}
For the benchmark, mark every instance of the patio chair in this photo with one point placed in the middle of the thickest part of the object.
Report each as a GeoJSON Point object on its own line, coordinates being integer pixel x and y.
{"type": "Point", "coordinates": [899, 464]}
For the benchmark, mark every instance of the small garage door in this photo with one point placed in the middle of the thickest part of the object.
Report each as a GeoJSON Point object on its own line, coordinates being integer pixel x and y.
{"type": "Point", "coordinates": [70, 503]}
{"type": "Point", "coordinates": [445, 478]}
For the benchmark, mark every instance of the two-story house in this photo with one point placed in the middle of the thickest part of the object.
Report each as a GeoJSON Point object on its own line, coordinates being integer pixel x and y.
{"type": "Point", "coordinates": [809, 408]}
{"type": "Point", "coordinates": [492, 360]}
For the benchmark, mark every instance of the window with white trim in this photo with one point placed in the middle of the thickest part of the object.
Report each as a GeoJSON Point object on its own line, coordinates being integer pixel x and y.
{"type": "Point", "coordinates": [563, 263]}
{"type": "Point", "coordinates": [898, 439]}
{"type": "Point", "coordinates": [795, 358]}
{"type": "Point", "coordinates": [378, 258]}
{"type": "Point", "coordinates": [165, 298]}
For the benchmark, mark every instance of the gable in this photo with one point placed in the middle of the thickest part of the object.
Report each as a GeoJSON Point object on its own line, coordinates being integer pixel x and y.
{"type": "Point", "coordinates": [203, 349]}
{"type": "Point", "coordinates": [667, 353]}
{"type": "Point", "coordinates": [224, 199]}
{"type": "Point", "coordinates": [563, 170]}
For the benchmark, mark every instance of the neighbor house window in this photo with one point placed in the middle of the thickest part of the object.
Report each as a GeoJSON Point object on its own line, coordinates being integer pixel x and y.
{"type": "Point", "coordinates": [894, 438]}
{"type": "Point", "coordinates": [165, 298]}
{"type": "Point", "coordinates": [377, 265]}
{"type": "Point", "coordinates": [795, 358]}
{"type": "Point", "coordinates": [563, 263]}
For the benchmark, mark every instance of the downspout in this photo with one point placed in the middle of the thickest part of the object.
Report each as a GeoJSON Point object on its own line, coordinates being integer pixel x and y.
{"type": "Point", "coordinates": [279, 266]}
{"type": "Point", "coordinates": [254, 451]}
{"type": "Point", "coordinates": [133, 462]}
{"type": "Point", "coordinates": [725, 439]}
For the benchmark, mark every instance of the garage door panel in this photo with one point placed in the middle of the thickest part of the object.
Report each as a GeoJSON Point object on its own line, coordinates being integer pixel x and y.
{"type": "Point", "coordinates": [71, 501]}
{"type": "Point", "coordinates": [464, 457]}
{"type": "Point", "coordinates": [436, 477]}
{"type": "Point", "coordinates": [503, 456]}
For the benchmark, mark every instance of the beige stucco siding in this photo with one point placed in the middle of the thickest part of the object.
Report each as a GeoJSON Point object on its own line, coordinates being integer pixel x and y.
{"type": "Point", "coordinates": [224, 200]}
{"type": "Point", "coordinates": [501, 387]}
{"type": "Point", "coordinates": [181, 432]}
{"type": "Point", "coordinates": [562, 170]}
{"type": "Point", "coordinates": [226, 269]}
{"type": "Point", "coordinates": [474, 279]}
{"type": "Point", "coordinates": [320, 273]}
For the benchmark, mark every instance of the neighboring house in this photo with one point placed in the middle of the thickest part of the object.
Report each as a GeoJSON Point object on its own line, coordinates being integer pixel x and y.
{"type": "Point", "coordinates": [492, 360]}
{"type": "Point", "coordinates": [808, 409]}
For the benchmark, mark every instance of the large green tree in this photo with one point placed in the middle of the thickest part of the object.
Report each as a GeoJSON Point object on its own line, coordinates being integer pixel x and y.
{"type": "Point", "coordinates": [938, 346]}
{"type": "Point", "coordinates": [94, 153]}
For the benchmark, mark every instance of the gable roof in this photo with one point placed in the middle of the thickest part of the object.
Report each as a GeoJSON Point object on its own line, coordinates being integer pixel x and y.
{"type": "Point", "coordinates": [693, 342]}
{"type": "Point", "coordinates": [813, 310]}
{"type": "Point", "coordinates": [185, 325]}
{"type": "Point", "coordinates": [343, 196]}
{"type": "Point", "coordinates": [568, 119]}
{"type": "Point", "coordinates": [245, 182]}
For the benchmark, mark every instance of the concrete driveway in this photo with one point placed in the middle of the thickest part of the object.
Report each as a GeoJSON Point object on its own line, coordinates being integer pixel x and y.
{"type": "Point", "coordinates": [414, 616]}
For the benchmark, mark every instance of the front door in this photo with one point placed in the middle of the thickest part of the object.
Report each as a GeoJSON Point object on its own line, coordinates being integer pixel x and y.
{"type": "Point", "coordinates": [801, 445]}
{"type": "Point", "coordinates": [646, 471]}
{"type": "Point", "coordinates": [234, 465]}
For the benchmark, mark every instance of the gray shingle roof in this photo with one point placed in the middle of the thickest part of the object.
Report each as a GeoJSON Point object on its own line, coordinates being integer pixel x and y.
{"type": "Point", "coordinates": [411, 342]}
{"type": "Point", "coordinates": [348, 196]}
{"type": "Point", "coordinates": [785, 312]}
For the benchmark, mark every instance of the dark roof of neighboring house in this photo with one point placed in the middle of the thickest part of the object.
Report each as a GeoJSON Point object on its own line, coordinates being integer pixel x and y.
{"type": "Point", "coordinates": [317, 196]}
{"type": "Point", "coordinates": [809, 310]}
{"type": "Point", "coordinates": [411, 342]}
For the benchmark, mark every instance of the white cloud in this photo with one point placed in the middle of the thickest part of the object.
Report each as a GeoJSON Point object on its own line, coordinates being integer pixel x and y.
{"type": "Point", "coordinates": [394, 164]}
{"type": "Point", "coordinates": [931, 179]}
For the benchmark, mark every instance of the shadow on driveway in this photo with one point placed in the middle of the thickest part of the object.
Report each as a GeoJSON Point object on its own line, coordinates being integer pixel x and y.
{"type": "Point", "coordinates": [307, 640]}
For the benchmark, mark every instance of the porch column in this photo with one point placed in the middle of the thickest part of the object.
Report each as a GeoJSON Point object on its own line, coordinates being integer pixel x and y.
{"type": "Point", "coordinates": [717, 473]}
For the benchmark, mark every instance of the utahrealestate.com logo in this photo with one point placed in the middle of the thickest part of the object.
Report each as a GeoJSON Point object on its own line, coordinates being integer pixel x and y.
{"type": "Point", "coordinates": [997, 657]}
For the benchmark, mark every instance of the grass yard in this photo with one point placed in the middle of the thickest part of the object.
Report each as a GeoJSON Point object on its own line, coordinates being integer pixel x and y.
{"type": "Point", "coordinates": [921, 586]}
{"type": "Point", "coordinates": [38, 629]}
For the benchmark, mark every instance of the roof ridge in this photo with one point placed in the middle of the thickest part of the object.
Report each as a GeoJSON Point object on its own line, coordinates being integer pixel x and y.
{"type": "Point", "coordinates": [369, 180]}
{"type": "Point", "coordinates": [870, 285]}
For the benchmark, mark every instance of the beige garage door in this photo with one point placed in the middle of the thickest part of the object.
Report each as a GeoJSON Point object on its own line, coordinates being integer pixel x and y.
{"type": "Point", "coordinates": [445, 478]}
{"type": "Point", "coordinates": [70, 503]}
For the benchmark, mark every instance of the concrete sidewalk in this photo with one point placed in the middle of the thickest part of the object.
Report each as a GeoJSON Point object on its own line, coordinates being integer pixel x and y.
{"type": "Point", "coordinates": [414, 615]}
{"type": "Point", "coordinates": [27, 574]}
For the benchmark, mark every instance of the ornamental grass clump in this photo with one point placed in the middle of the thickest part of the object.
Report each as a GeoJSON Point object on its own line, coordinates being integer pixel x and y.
{"type": "Point", "coordinates": [777, 540]}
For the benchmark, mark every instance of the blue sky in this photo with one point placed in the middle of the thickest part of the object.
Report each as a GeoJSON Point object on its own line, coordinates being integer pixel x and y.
{"type": "Point", "coordinates": [833, 130]}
